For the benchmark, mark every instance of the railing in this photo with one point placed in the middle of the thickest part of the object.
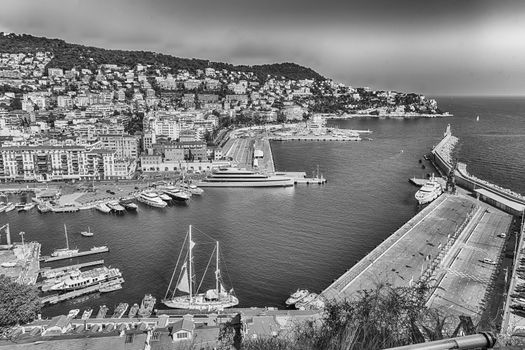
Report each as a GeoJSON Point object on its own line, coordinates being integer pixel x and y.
{"type": "Point", "coordinates": [481, 340]}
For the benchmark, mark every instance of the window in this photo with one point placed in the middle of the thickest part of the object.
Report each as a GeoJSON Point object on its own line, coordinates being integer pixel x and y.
{"type": "Point", "coordinates": [182, 335]}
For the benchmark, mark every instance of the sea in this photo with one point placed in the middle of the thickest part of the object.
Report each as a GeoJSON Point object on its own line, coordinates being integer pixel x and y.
{"type": "Point", "coordinates": [274, 241]}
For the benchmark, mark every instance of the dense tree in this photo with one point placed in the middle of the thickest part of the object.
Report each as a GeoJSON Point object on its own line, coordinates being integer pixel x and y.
{"type": "Point", "coordinates": [68, 56]}
{"type": "Point", "coordinates": [19, 303]}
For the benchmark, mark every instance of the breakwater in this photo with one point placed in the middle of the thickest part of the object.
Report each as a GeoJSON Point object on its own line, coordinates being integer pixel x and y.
{"type": "Point", "coordinates": [442, 158]}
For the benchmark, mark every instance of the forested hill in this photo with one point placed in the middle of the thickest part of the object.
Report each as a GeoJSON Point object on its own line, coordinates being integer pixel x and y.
{"type": "Point", "coordinates": [68, 55]}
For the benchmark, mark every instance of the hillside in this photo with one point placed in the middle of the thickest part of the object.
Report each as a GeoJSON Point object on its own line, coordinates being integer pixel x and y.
{"type": "Point", "coordinates": [68, 55]}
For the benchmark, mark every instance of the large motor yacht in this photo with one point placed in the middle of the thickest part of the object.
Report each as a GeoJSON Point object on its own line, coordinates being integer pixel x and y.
{"type": "Point", "coordinates": [430, 191]}
{"type": "Point", "coordinates": [151, 199]}
{"type": "Point", "coordinates": [234, 177]}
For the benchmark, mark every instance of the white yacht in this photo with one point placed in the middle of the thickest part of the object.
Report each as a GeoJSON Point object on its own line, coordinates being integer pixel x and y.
{"type": "Point", "coordinates": [151, 199]}
{"type": "Point", "coordinates": [213, 299]}
{"type": "Point", "coordinates": [430, 191]}
{"type": "Point", "coordinates": [297, 296]}
{"type": "Point", "coordinates": [234, 177]}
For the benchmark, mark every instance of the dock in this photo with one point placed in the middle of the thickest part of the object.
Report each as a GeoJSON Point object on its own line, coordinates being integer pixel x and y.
{"type": "Point", "coordinates": [56, 298]}
{"type": "Point", "coordinates": [454, 244]}
{"type": "Point", "coordinates": [79, 254]}
{"type": "Point", "coordinates": [46, 271]}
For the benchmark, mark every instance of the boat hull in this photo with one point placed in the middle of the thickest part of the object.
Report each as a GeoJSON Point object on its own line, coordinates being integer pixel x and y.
{"type": "Point", "coordinates": [274, 183]}
{"type": "Point", "coordinates": [198, 303]}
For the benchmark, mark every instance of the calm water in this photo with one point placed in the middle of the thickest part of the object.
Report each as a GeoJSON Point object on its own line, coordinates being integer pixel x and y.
{"type": "Point", "coordinates": [276, 240]}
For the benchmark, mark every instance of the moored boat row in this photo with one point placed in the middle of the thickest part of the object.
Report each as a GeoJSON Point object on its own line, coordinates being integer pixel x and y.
{"type": "Point", "coordinates": [302, 299]}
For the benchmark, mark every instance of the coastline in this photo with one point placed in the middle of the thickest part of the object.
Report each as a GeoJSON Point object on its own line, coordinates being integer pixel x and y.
{"type": "Point", "coordinates": [390, 116]}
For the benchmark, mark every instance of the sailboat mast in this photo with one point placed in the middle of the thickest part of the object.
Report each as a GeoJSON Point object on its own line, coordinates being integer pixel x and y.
{"type": "Point", "coordinates": [189, 267]}
{"type": "Point", "coordinates": [217, 272]}
{"type": "Point", "coordinates": [67, 240]}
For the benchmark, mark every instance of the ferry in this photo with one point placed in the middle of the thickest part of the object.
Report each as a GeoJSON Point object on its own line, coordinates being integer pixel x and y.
{"type": "Point", "coordinates": [110, 288]}
{"type": "Point", "coordinates": [78, 280]}
{"type": "Point", "coordinates": [430, 191]}
{"type": "Point", "coordinates": [151, 199]}
{"type": "Point", "coordinates": [297, 296]}
{"type": "Point", "coordinates": [234, 177]}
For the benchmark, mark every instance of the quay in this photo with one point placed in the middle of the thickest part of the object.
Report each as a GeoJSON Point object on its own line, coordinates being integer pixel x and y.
{"type": "Point", "coordinates": [46, 271]}
{"type": "Point", "coordinates": [453, 245]}
{"type": "Point", "coordinates": [85, 253]}
{"type": "Point", "coordinates": [315, 138]}
{"type": "Point", "coordinates": [56, 298]}
{"type": "Point", "coordinates": [20, 261]}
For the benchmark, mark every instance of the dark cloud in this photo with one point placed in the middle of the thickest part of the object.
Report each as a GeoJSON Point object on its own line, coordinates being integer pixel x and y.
{"type": "Point", "coordinates": [429, 46]}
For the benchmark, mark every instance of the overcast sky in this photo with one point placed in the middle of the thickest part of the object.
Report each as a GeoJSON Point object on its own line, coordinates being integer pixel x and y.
{"type": "Point", "coordinates": [432, 47]}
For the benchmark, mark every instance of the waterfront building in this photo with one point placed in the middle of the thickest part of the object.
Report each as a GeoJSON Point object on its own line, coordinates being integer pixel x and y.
{"type": "Point", "coordinates": [125, 146]}
{"type": "Point", "coordinates": [47, 163]}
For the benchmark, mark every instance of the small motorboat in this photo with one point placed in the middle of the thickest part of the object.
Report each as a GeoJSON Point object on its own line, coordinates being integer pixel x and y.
{"type": "Point", "coordinates": [73, 313]}
{"type": "Point", "coordinates": [87, 233]}
{"type": "Point", "coordinates": [103, 208]}
{"type": "Point", "coordinates": [87, 314]}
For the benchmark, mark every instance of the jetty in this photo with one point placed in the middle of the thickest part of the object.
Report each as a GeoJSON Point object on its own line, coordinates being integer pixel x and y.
{"type": "Point", "coordinates": [56, 298]}
{"type": "Point", "coordinates": [46, 272]}
{"type": "Point", "coordinates": [76, 255]}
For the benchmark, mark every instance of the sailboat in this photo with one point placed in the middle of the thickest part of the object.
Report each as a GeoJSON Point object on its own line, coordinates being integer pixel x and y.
{"type": "Point", "coordinates": [65, 251]}
{"type": "Point", "coordinates": [87, 233]}
{"type": "Point", "coordinates": [213, 299]}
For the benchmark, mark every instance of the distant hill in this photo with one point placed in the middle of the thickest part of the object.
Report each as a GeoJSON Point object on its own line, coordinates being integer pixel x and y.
{"type": "Point", "coordinates": [68, 55]}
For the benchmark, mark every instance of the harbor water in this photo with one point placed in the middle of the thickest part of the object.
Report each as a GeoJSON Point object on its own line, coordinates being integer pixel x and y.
{"type": "Point", "coordinates": [274, 241]}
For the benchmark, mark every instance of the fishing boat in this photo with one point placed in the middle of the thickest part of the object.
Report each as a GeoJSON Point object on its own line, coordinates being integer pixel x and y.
{"type": "Point", "coordinates": [146, 306]}
{"type": "Point", "coordinates": [64, 251]}
{"type": "Point", "coordinates": [297, 296]}
{"type": "Point", "coordinates": [103, 208]}
{"type": "Point", "coordinates": [87, 314]}
{"type": "Point", "coordinates": [120, 310]}
{"type": "Point", "coordinates": [87, 233]}
{"type": "Point", "coordinates": [102, 311]}
{"type": "Point", "coordinates": [213, 299]}
{"type": "Point", "coordinates": [133, 310]}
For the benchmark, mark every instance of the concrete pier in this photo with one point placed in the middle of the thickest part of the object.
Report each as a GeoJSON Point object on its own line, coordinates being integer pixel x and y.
{"type": "Point", "coordinates": [88, 252]}
{"type": "Point", "coordinates": [406, 256]}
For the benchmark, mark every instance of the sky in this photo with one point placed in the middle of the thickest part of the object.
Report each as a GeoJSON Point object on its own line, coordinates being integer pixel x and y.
{"type": "Point", "coordinates": [456, 47]}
